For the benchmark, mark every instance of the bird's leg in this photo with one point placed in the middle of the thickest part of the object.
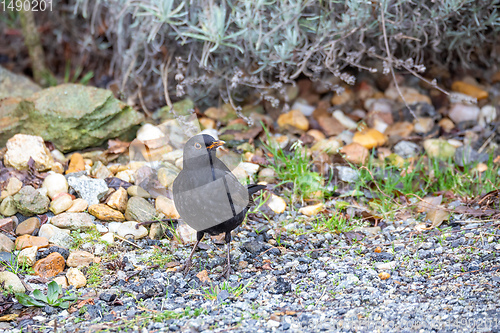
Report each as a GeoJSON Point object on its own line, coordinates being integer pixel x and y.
{"type": "Point", "coordinates": [187, 266]}
{"type": "Point", "coordinates": [227, 270]}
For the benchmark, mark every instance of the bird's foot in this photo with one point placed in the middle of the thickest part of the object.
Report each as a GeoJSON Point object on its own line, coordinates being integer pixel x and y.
{"type": "Point", "coordinates": [226, 272]}
{"type": "Point", "coordinates": [187, 267]}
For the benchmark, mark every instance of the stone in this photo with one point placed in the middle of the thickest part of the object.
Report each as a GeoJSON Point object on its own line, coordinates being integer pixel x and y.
{"type": "Point", "coordinates": [293, 119]}
{"type": "Point", "coordinates": [254, 247]}
{"type": "Point", "coordinates": [410, 95]}
{"type": "Point", "coordinates": [380, 125]}
{"type": "Point", "coordinates": [50, 266]}
{"type": "Point", "coordinates": [22, 147]}
{"type": "Point", "coordinates": [346, 122]}
{"type": "Point", "coordinates": [79, 205]}
{"type": "Point", "coordinates": [62, 239]}
{"type": "Point", "coordinates": [330, 146]}
{"type": "Point", "coordinates": [487, 115]}
{"type": "Point", "coordinates": [139, 209]}
{"type": "Point", "coordinates": [76, 278]}
{"type": "Point", "coordinates": [461, 112]}
{"type": "Point", "coordinates": [76, 163]}
{"type": "Point", "coordinates": [61, 203]}
{"type": "Point", "coordinates": [62, 281]}
{"type": "Point", "coordinates": [166, 206]}
{"type": "Point", "coordinates": [16, 85]}
{"type": "Point", "coordinates": [167, 175]}
{"type": "Point", "coordinates": [100, 171]}
{"type": "Point", "coordinates": [399, 129]}
{"type": "Point", "coordinates": [105, 213]}
{"type": "Point", "coordinates": [55, 183]}
{"type": "Point", "coordinates": [48, 231]}
{"type": "Point", "coordinates": [28, 256]}
{"type": "Point", "coordinates": [156, 231]}
{"type": "Point", "coordinates": [267, 175]}
{"type": "Point", "coordinates": [73, 221]}
{"type": "Point", "coordinates": [6, 244]}
{"type": "Point", "coordinates": [207, 122]}
{"type": "Point", "coordinates": [13, 186]}
{"type": "Point", "coordinates": [331, 126]}
{"type": "Point", "coordinates": [8, 206]}
{"type": "Point", "coordinates": [342, 98]}
{"type": "Point", "coordinates": [29, 201]}
{"type": "Point", "coordinates": [355, 153]}
{"type": "Point", "coordinates": [423, 125]}
{"type": "Point", "coordinates": [88, 188]}
{"type": "Point", "coordinates": [137, 191]}
{"type": "Point", "coordinates": [80, 259]}
{"type": "Point", "coordinates": [276, 204]}
{"type": "Point", "coordinates": [466, 155]}
{"type": "Point", "coordinates": [8, 224]}
{"type": "Point", "coordinates": [118, 200]}
{"type": "Point", "coordinates": [186, 233]}
{"type": "Point", "coordinates": [25, 241]}
{"type": "Point", "coordinates": [384, 275]}
{"type": "Point", "coordinates": [407, 149]}
{"type": "Point", "coordinates": [74, 116]}
{"type": "Point", "coordinates": [311, 210]}
{"type": "Point", "coordinates": [303, 106]}
{"type": "Point", "coordinates": [127, 229]}
{"type": "Point", "coordinates": [11, 282]}
{"type": "Point", "coordinates": [369, 138]}
{"type": "Point", "coordinates": [438, 148]}
{"type": "Point", "coordinates": [316, 134]}
{"type": "Point", "coordinates": [347, 174]}
{"type": "Point", "coordinates": [126, 175]}
{"type": "Point", "coordinates": [469, 89]}
{"type": "Point", "coordinates": [108, 238]}
{"type": "Point", "coordinates": [446, 124]}
{"type": "Point", "coordinates": [28, 226]}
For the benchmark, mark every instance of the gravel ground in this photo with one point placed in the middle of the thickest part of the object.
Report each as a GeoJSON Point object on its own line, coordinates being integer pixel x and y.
{"type": "Point", "coordinates": [301, 282]}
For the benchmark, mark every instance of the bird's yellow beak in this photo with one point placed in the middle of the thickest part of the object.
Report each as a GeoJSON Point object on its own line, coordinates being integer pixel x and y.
{"type": "Point", "coordinates": [216, 144]}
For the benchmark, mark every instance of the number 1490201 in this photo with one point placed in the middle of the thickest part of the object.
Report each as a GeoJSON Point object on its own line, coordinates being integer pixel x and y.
{"type": "Point", "coordinates": [26, 5]}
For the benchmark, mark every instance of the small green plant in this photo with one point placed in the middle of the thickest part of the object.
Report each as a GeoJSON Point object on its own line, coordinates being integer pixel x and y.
{"type": "Point", "coordinates": [212, 292]}
{"type": "Point", "coordinates": [158, 257]}
{"type": "Point", "coordinates": [14, 265]}
{"type": "Point", "coordinates": [53, 298]}
{"type": "Point", "coordinates": [95, 273]}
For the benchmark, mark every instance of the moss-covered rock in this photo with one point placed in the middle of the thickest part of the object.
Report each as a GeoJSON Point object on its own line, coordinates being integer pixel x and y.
{"type": "Point", "coordinates": [71, 116]}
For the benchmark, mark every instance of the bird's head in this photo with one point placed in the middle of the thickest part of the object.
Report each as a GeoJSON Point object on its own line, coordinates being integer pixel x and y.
{"type": "Point", "coordinates": [200, 146]}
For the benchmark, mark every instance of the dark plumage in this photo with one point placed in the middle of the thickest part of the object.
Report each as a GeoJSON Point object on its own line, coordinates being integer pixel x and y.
{"type": "Point", "coordinates": [207, 195]}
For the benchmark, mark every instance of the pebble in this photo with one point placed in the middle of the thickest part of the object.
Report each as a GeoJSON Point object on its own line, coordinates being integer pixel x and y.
{"type": "Point", "coordinates": [400, 129]}
{"type": "Point", "coordinates": [186, 233]}
{"type": "Point", "coordinates": [118, 200]}
{"type": "Point", "coordinates": [167, 207]}
{"type": "Point", "coordinates": [446, 124]}
{"type": "Point", "coordinates": [79, 259]}
{"type": "Point", "coordinates": [311, 210]}
{"type": "Point", "coordinates": [79, 205]}
{"type": "Point", "coordinates": [294, 119]}
{"type": "Point", "coordinates": [330, 146]}
{"type": "Point", "coordinates": [384, 275]}
{"type": "Point", "coordinates": [342, 98]}
{"type": "Point", "coordinates": [304, 107]}
{"type": "Point", "coordinates": [167, 175]}
{"type": "Point", "coordinates": [88, 188]}
{"type": "Point", "coordinates": [369, 138]}
{"type": "Point", "coordinates": [137, 191]}
{"type": "Point", "coordinates": [149, 132]}
{"type": "Point", "coordinates": [8, 207]}
{"type": "Point", "coordinates": [461, 112]}
{"type": "Point", "coordinates": [100, 171]}
{"type": "Point", "coordinates": [28, 255]}
{"type": "Point", "coordinates": [316, 134]}
{"type": "Point", "coordinates": [61, 203]}
{"type": "Point", "coordinates": [48, 230]}
{"type": "Point", "coordinates": [8, 224]}
{"type": "Point", "coordinates": [331, 126]}
{"type": "Point", "coordinates": [267, 175]}
{"type": "Point", "coordinates": [6, 244]}
{"type": "Point", "coordinates": [355, 153]}
{"type": "Point", "coordinates": [108, 238]}
{"type": "Point", "coordinates": [126, 175]}
{"type": "Point", "coordinates": [250, 168]}
{"type": "Point", "coordinates": [276, 203]}
{"type": "Point", "coordinates": [28, 226]}
{"type": "Point", "coordinates": [346, 122]}
{"type": "Point", "coordinates": [487, 115]}
{"type": "Point", "coordinates": [13, 186]}
{"type": "Point", "coordinates": [139, 209]}
{"type": "Point", "coordinates": [423, 125]}
{"type": "Point", "coordinates": [105, 213]}
{"type": "Point", "coordinates": [62, 281]}
{"type": "Point", "coordinates": [10, 281]}
{"type": "Point", "coordinates": [438, 148]}
{"type": "Point", "coordinates": [55, 183]}
{"type": "Point", "coordinates": [49, 266]}
{"type": "Point", "coordinates": [469, 89]}
{"type": "Point", "coordinates": [31, 202]}
{"type": "Point", "coordinates": [73, 221]}
{"type": "Point", "coordinates": [25, 241]}
{"type": "Point", "coordinates": [126, 229]}
{"type": "Point", "coordinates": [76, 278]}
{"type": "Point", "coordinates": [76, 163]}
{"type": "Point", "coordinates": [407, 149]}
{"type": "Point", "coordinates": [22, 147]}
{"type": "Point", "coordinates": [62, 239]}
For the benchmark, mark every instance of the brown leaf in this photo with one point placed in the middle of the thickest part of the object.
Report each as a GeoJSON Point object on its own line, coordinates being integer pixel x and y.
{"type": "Point", "coordinates": [437, 216]}
{"type": "Point", "coordinates": [85, 302]}
{"type": "Point", "coordinates": [203, 276]}
{"type": "Point", "coordinates": [429, 203]}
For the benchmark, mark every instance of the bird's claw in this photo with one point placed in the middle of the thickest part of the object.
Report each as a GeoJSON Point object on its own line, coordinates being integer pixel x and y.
{"type": "Point", "coordinates": [226, 272]}
{"type": "Point", "coordinates": [187, 267]}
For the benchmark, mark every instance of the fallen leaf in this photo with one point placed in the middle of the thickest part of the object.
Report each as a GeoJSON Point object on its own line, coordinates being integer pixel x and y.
{"type": "Point", "coordinates": [85, 302]}
{"type": "Point", "coordinates": [437, 216]}
{"type": "Point", "coordinates": [429, 203]}
{"type": "Point", "coordinates": [203, 276]}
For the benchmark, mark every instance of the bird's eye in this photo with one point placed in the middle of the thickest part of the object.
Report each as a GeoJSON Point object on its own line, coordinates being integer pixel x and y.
{"type": "Point", "coordinates": [197, 145]}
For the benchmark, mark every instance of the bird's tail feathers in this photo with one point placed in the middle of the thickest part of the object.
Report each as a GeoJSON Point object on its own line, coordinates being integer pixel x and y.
{"type": "Point", "coordinates": [253, 188]}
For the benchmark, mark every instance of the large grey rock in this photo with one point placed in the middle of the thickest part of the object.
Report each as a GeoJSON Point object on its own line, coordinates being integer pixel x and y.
{"type": "Point", "coordinates": [71, 116]}
{"type": "Point", "coordinates": [139, 209]}
{"type": "Point", "coordinates": [465, 155]}
{"type": "Point", "coordinates": [14, 85]}
{"type": "Point", "coordinates": [73, 221]}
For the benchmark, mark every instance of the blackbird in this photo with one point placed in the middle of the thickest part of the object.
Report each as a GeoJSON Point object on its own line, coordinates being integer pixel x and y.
{"type": "Point", "coordinates": [207, 196]}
